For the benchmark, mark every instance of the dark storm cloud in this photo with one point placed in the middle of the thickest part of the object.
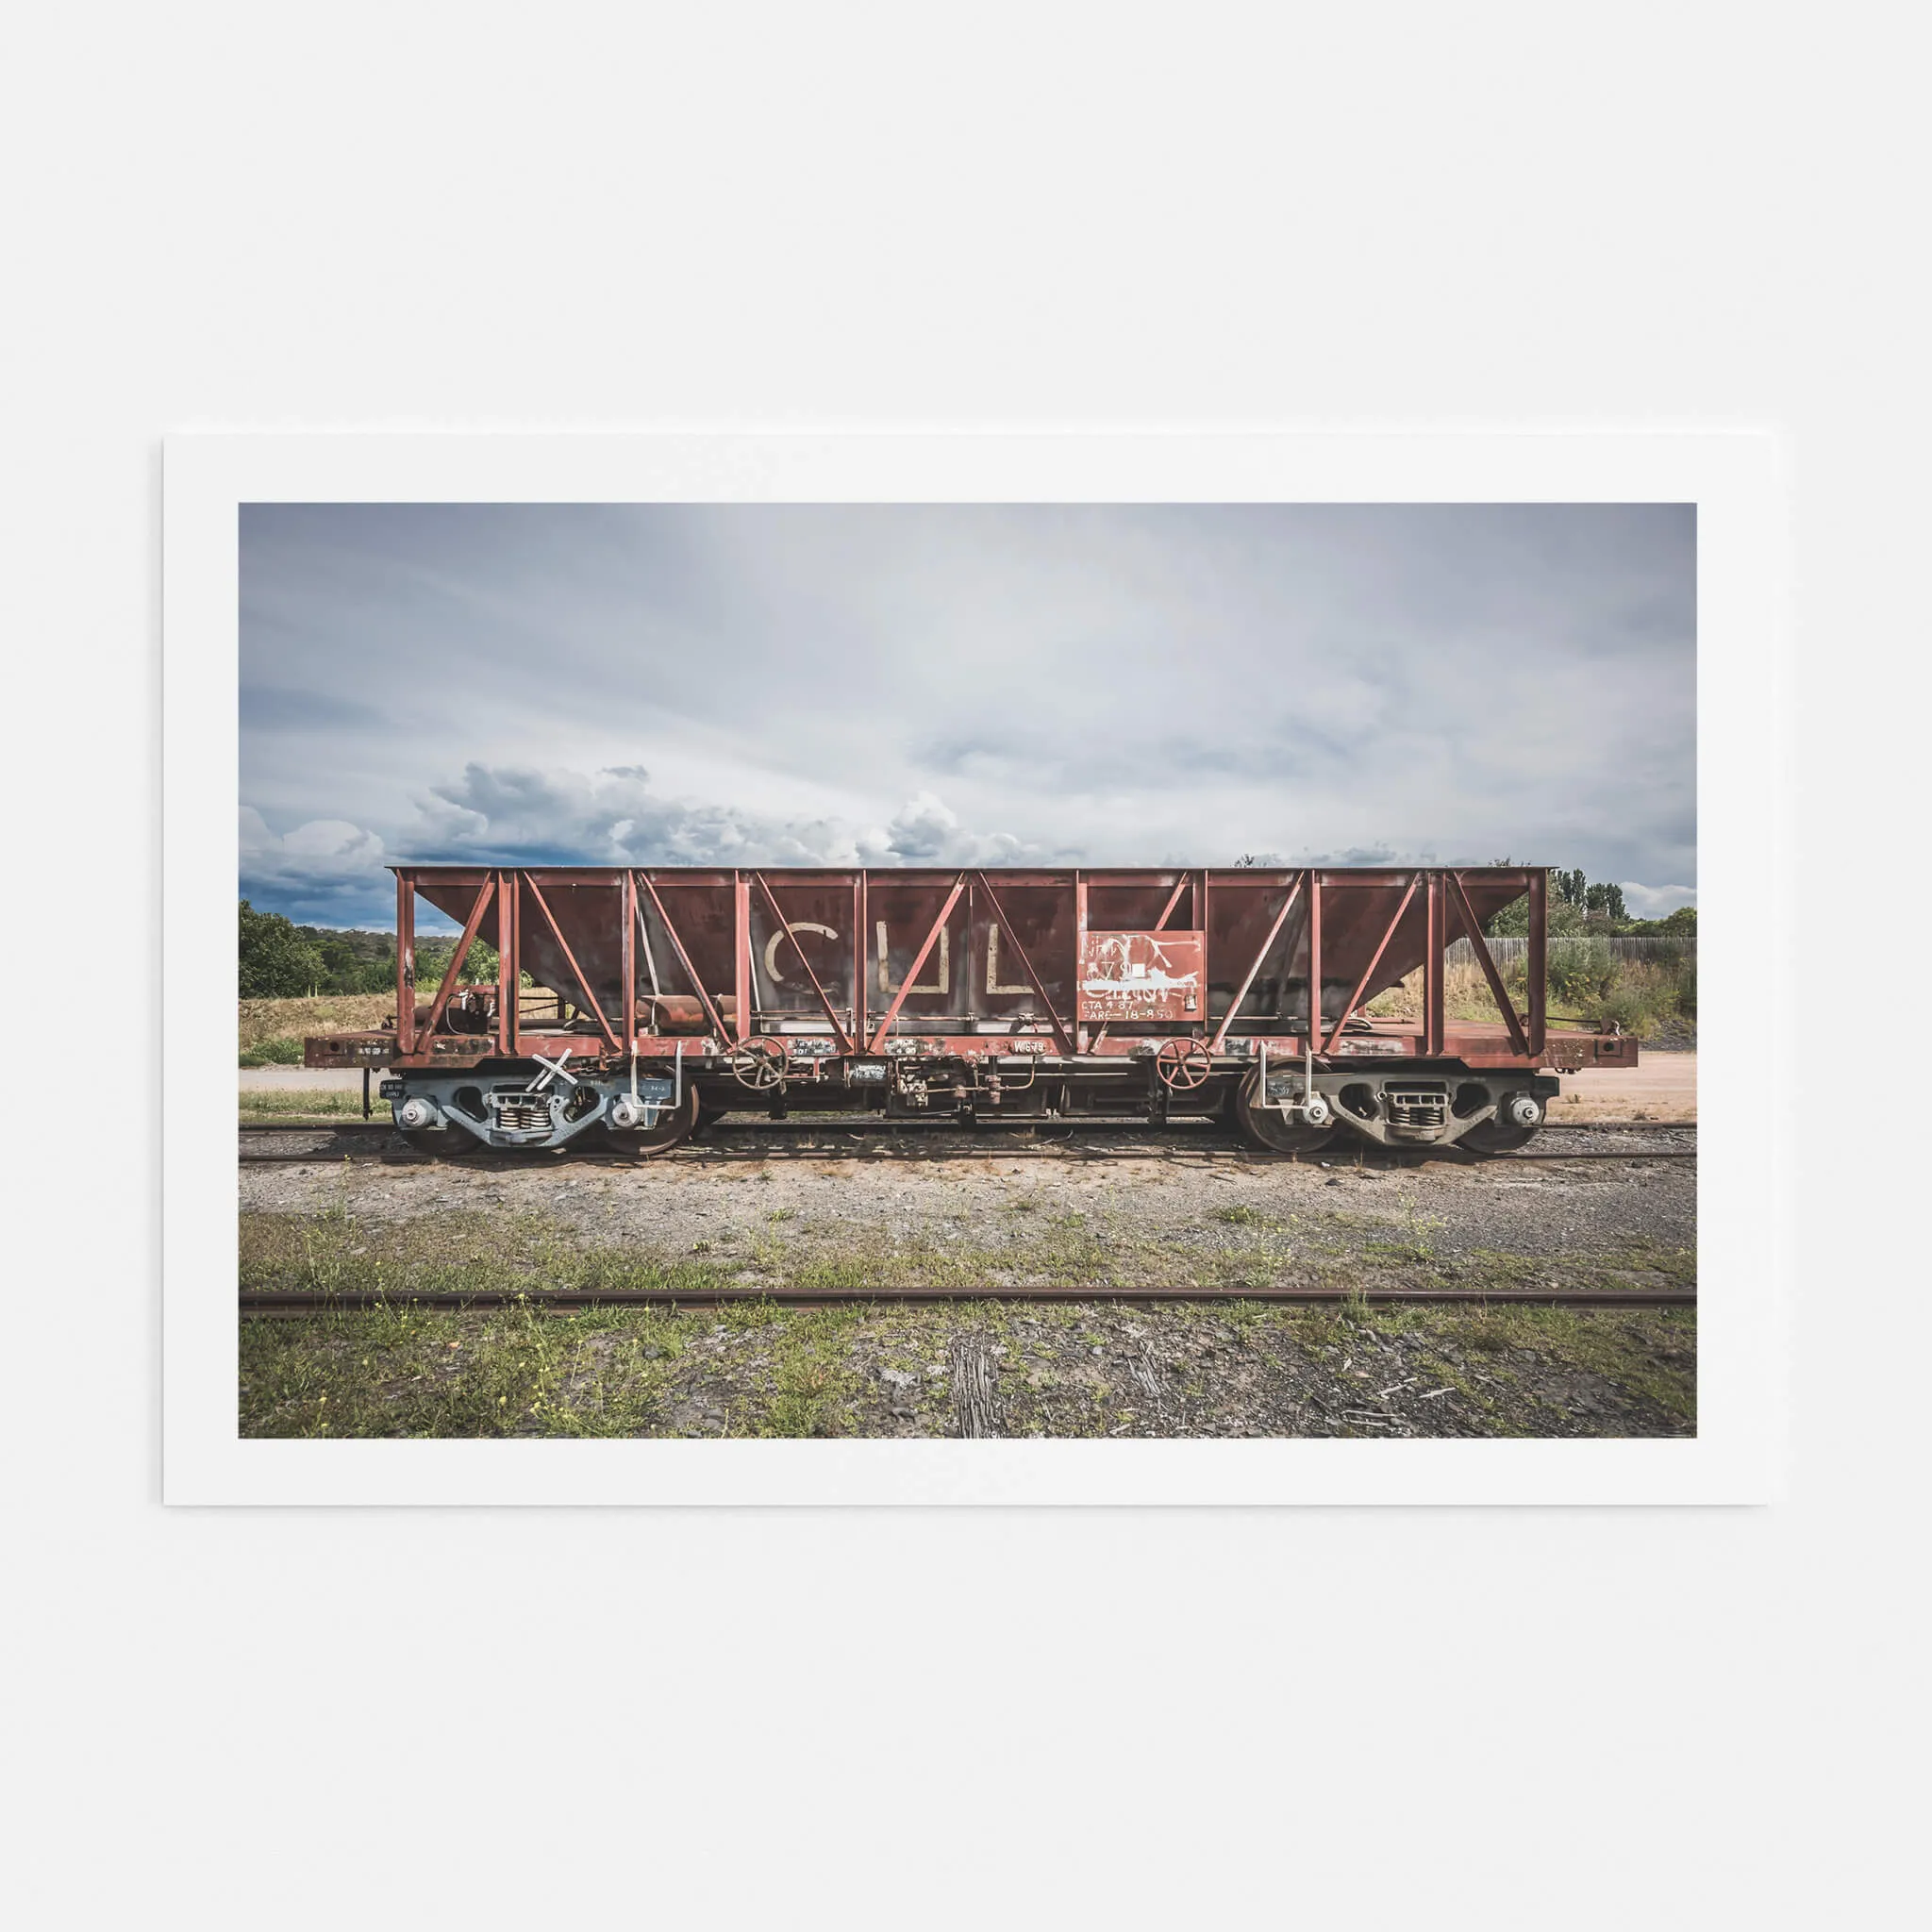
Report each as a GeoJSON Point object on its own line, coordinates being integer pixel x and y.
{"type": "Point", "coordinates": [912, 684]}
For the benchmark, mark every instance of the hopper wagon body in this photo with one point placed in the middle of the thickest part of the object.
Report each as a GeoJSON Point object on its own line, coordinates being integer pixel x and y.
{"type": "Point", "coordinates": [630, 1005]}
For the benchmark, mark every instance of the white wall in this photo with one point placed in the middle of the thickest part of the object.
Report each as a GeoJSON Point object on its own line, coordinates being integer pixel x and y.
{"type": "Point", "coordinates": [363, 215]}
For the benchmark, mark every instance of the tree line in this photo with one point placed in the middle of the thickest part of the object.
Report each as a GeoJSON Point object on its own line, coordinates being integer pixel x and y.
{"type": "Point", "coordinates": [1578, 904]}
{"type": "Point", "coordinates": [1590, 908]}
{"type": "Point", "coordinates": [281, 960]}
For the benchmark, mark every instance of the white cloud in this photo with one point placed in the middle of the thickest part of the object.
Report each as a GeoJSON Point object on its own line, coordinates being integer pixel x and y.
{"type": "Point", "coordinates": [926, 831]}
{"type": "Point", "coordinates": [613, 817]}
{"type": "Point", "coordinates": [1654, 902]}
{"type": "Point", "coordinates": [609, 817]}
{"type": "Point", "coordinates": [322, 864]}
{"type": "Point", "coordinates": [935, 684]}
{"type": "Point", "coordinates": [328, 870]}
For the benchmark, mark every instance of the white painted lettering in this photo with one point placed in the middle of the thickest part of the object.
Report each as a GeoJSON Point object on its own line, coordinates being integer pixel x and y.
{"type": "Point", "coordinates": [992, 964]}
{"type": "Point", "coordinates": [777, 940]}
{"type": "Point", "coordinates": [946, 979]}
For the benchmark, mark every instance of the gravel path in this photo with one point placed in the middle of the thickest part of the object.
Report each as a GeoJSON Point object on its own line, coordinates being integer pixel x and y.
{"type": "Point", "coordinates": [947, 1208]}
{"type": "Point", "coordinates": [957, 1190]}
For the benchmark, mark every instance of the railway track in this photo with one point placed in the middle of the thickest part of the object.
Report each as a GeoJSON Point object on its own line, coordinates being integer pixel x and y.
{"type": "Point", "coordinates": [916, 1127]}
{"type": "Point", "coordinates": [279, 1302]}
{"type": "Point", "coordinates": [769, 1140]}
{"type": "Point", "coordinates": [759, 1140]}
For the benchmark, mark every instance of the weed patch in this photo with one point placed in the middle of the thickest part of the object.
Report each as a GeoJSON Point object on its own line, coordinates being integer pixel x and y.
{"type": "Point", "coordinates": [262, 1021]}
{"type": "Point", "coordinates": [1237, 1214]}
{"type": "Point", "coordinates": [757, 1367]}
{"type": "Point", "coordinates": [285, 1051]}
{"type": "Point", "coordinates": [324, 1103]}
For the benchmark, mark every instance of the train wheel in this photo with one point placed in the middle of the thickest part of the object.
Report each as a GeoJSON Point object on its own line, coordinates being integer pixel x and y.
{"type": "Point", "coordinates": [1266, 1127]}
{"type": "Point", "coordinates": [673, 1124]}
{"type": "Point", "coordinates": [446, 1144]}
{"type": "Point", "coordinates": [1501, 1134]}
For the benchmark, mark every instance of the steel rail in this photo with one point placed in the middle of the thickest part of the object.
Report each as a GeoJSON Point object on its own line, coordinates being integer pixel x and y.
{"type": "Point", "coordinates": [818, 1124]}
{"type": "Point", "coordinates": [771, 1141]}
{"type": "Point", "coordinates": [305, 1301]}
{"type": "Point", "coordinates": [1382, 1161]}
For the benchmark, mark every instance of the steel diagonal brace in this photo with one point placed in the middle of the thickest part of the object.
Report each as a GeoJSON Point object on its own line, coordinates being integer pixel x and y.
{"type": "Point", "coordinates": [457, 958]}
{"type": "Point", "coordinates": [1294, 892]}
{"type": "Point", "coordinates": [552, 1070]}
{"type": "Point", "coordinates": [591, 999]}
{"type": "Point", "coordinates": [932, 938]}
{"type": "Point", "coordinates": [845, 1044]}
{"type": "Point", "coordinates": [691, 971]}
{"type": "Point", "coordinates": [1480, 946]}
{"type": "Point", "coordinates": [1368, 970]}
{"type": "Point", "coordinates": [1061, 1038]}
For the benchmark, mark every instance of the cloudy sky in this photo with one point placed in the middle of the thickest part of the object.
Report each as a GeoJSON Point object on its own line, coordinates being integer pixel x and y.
{"type": "Point", "coordinates": [911, 685]}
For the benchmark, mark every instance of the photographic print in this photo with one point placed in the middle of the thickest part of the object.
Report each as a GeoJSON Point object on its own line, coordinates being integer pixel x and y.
{"type": "Point", "coordinates": [898, 971]}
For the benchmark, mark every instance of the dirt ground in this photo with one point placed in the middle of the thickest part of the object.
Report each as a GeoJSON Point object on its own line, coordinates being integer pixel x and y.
{"type": "Point", "coordinates": [861, 1212]}
{"type": "Point", "coordinates": [1662, 1085]}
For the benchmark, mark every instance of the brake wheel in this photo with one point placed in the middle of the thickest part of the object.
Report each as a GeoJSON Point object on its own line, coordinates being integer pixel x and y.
{"type": "Point", "coordinates": [760, 1063]}
{"type": "Point", "coordinates": [1183, 1064]}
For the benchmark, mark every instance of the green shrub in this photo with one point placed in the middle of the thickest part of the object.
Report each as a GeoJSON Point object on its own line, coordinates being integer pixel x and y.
{"type": "Point", "coordinates": [275, 961]}
{"type": "Point", "coordinates": [1633, 1011]}
{"type": "Point", "coordinates": [432, 962]}
{"type": "Point", "coordinates": [1582, 971]}
{"type": "Point", "coordinates": [1686, 985]}
{"type": "Point", "coordinates": [284, 1051]}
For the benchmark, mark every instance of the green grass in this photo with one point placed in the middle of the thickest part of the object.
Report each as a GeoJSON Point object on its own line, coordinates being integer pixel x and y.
{"type": "Point", "coordinates": [1103, 1250]}
{"type": "Point", "coordinates": [755, 1368]}
{"type": "Point", "coordinates": [801, 1374]}
{"type": "Point", "coordinates": [1617, 1345]}
{"type": "Point", "coordinates": [328, 1103]}
{"type": "Point", "coordinates": [283, 1051]}
{"type": "Point", "coordinates": [261, 1021]}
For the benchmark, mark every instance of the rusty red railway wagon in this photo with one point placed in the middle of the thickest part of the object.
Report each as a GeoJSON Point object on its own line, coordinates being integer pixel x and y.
{"type": "Point", "coordinates": [632, 1005]}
